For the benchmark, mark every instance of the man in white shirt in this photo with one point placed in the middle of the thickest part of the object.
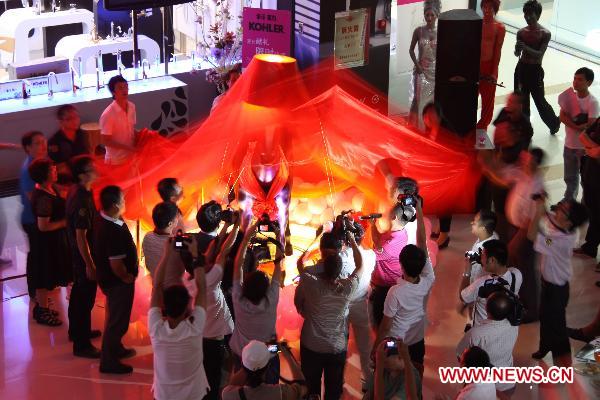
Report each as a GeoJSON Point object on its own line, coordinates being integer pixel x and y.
{"type": "Point", "coordinates": [476, 357]}
{"type": "Point", "coordinates": [117, 123]}
{"type": "Point", "coordinates": [483, 227]}
{"type": "Point", "coordinates": [526, 181]}
{"type": "Point", "coordinates": [493, 258]}
{"type": "Point", "coordinates": [578, 110]}
{"type": "Point", "coordinates": [554, 240]}
{"type": "Point", "coordinates": [496, 336]}
{"type": "Point", "coordinates": [404, 310]}
{"type": "Point", "coordinates": [219, 323]}
{"type": "Point", "coordinates": [177, 339]}
{"type": "Point", "coordinates": [164, 216]}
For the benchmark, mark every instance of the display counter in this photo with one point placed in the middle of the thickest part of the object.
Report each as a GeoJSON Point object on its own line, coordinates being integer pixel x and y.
{"type": "Point", "coordinates": [161, 104]}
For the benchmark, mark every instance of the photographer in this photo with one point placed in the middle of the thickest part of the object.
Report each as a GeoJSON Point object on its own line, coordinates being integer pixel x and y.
{"type": "Point", "coordinates": [255, 302]}
{"type": "Point", "coordinates": [358, 316]}
{"type": "Point", "coordinates": [249, 382]}
{"type": "Point", "coordinates": [554, 238]}
{"type": "Point", "coordinates": [395, 375]}
{"type": "Point", "coordinates": [165, 217]}
{"type": "Point", "coordinates": [219, 323]}
{"type": "Point", "coordinates": [496, 335]}
{"type": "Point", "coordinates": [474, 357]}
{"type": "Point", "coordinates": [493, 258]}
{"type": "Point", "coordinates": [388, 246]}
{"type": "Point", "coordinates": [404, 311]}
{"type": "Point", "coordinates": [323, 301]}
{"type": "Point", "coordinates": [483, 227]}
{"type": "Point", "coordinates": [178, 355]}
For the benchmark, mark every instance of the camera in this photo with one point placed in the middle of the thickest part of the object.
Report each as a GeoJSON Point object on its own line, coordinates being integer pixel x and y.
{"type": "Point", "coordinates": [214, 212]}
{"type": "Point", "coordinates": [273, 348]}
{"type": "Point", "coordinates": [474, 257]}
{"type": "Point", "coordinates": [264, 243]}
{"type": "Point", "coordinates": [180, 241]}
{"type": "Point", "coordinates": [342, 225]}
{"type": "Point", "coordinates": [407, 198]}
{"type": "Point", "coordinates": [391, 344]}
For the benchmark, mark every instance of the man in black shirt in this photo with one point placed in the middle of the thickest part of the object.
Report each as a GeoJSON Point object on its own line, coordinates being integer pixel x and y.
{"type": "Point", "coordinates": [68, 142]}
{"type": "Point", "coordinates": [115, 256]}
{"type": "Point", "coordinates": [81, 213]}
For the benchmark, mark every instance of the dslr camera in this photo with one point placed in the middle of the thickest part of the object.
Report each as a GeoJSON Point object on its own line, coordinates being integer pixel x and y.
{"type": "Point", "coordinates": [181, 243]}
{"type": "Point", "coordinates": [342, 225]}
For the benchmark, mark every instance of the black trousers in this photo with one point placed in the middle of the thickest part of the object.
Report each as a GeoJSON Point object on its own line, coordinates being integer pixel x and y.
{"type": "Point", "coordinates": [445, 223]}
{"type": "Point", "coordinates": [214, 354]}
{"type": "Point", "coordinates": [314, 365]}
{"type": "Point", "coordinates": [376, 301]}
{"type": "Point", "coordinates": [119, 300]}
{"type": "Point", "coordinates": [591, 199]}
{"type": "Point", "coordinates": [553, 319]}
{"type": "Point", "coordinates": [30, 231]}
{"type": "Point", "coordinates": [529, 80]}
{"type": "Point", "coordinates": [522, 256]}
{"type": "Point", "coordinates": [417, 352]}
{"type": "Point", "coordinates": [81, 303]}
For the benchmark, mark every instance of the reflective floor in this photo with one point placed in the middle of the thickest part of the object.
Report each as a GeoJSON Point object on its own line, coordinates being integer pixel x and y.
{"type": "Point", "coordinates": [36, 361]}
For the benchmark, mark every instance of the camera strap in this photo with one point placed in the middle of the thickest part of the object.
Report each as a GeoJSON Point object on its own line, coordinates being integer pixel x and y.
{"type": "Point", "coordinates": [513, 284]}
{"type": "Point", "coordinates": [242, 394]}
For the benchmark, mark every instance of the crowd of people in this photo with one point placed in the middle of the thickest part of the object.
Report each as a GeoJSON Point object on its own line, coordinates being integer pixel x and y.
{"type": "Point", "coordinates": [213, 311]}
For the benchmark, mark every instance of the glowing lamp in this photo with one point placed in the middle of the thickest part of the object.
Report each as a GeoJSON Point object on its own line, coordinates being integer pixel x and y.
{"type": "Point", "coordinates": [274, 82]}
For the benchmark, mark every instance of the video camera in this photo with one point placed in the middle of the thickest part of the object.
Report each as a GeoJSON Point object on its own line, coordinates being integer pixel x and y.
{"type": "Point", "coordinates": [264, 244]}
{"type": "Point", "coordinates": [344, 224]}
{"type": "Point", "coordinates": [215, 212]}
{"type": "Point", "coordinates": [407, 198]}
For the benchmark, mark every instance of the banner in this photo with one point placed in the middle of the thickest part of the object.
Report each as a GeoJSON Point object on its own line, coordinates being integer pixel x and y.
{"type": "Point", "coordinates": [351, 42]}
{"type": "Point", "coordinates": [265, 32]}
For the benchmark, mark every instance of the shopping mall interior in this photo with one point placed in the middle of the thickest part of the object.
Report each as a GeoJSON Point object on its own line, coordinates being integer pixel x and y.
{"type": "Point", "coordinates": [36, 361]}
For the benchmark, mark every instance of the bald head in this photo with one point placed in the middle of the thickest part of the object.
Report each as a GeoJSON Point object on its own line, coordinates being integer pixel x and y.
{"type": "Point", "coordinates": [499, 306]}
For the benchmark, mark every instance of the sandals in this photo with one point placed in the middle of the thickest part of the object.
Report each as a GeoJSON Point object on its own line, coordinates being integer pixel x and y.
{"type": "Point", "coordinates": [45, 316]}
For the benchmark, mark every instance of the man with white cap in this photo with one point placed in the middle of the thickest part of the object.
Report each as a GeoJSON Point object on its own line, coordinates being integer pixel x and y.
{"type": "Point", "coordinates": [249, 382]}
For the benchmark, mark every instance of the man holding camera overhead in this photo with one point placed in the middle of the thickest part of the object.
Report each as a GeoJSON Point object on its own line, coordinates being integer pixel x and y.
{"type": "Point", "coordinates": [388, 245]}
{"type": "Point", "coordinates": [404, 308]}
{"type": "Point", "coordinates": [323, 300]}
{"type": "Point", "coordinates": [177, 339]}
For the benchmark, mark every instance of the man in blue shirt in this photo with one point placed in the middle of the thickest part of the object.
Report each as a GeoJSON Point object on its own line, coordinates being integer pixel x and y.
{"type": "Point", "coordinates": [35, 145]}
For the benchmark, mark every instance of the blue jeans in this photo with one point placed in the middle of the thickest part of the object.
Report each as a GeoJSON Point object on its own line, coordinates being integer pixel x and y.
{"type": "Point", "coordinates": [572, 162]}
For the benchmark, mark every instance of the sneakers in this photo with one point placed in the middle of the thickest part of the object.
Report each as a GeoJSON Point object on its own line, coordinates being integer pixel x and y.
{"type": "Point", "coordinates": [118, 369]}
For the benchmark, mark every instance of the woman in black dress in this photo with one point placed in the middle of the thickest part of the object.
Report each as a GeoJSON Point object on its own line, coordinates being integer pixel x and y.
{"type": "Point", "coordinates": [50, 250]}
